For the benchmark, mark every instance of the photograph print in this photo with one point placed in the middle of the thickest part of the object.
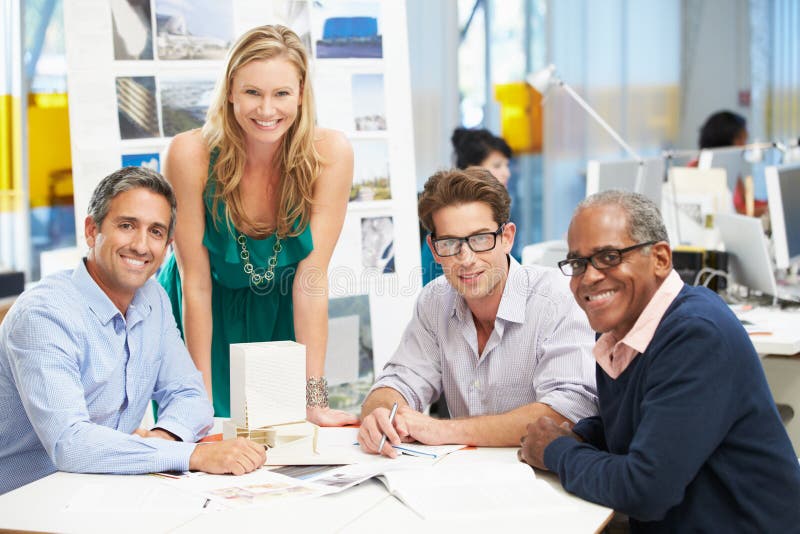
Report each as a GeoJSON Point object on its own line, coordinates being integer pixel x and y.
{"type": "Point", "coordinates": [136, 107]}
{"type": "Point", "coordinates": [371, 179]}
{"type": "Point", "coordinates": [149, 160]}
{"type": "Point", "coordinates": [377, 244]}
{"type": "Point", "coordinates": [200, 29]}
{"type": "Point", "coordinates": [351, 317]}
{"type": "Point", "coordinates": [133, 34]}
{"type": "Point", "coordinates": [184, 102]}
{"type": "Point", "coordinates": [369, 104]}
{"type": "Point", "coordinates": [293, 14]}
{"type": "Point", "coordinates": [348, 29]}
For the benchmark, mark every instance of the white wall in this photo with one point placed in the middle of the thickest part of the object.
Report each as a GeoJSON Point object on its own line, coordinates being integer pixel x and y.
{"type": "Point", "coordinates": [433, 52]}
{"type": "Point", "coordinates": [715, 62]}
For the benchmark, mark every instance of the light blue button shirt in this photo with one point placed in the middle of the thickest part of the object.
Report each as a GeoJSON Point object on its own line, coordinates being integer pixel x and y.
{"type": "Point", "coordinates": [76, 378]}
{"type": "Point", "coordinates": [539, 350]}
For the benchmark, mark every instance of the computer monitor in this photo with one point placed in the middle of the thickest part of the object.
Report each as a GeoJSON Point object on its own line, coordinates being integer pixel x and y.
{"type": "Point", "coordinates": [783, 193]}
{"type": "Point", "coordinates": [621, 174]}
{"type": "Point", "coordinates": [749, 262]}
{"type": "Point", "coordinates": [732, 159]}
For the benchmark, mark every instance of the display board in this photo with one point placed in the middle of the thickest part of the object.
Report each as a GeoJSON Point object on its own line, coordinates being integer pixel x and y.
{"type": "Point", "coordinates": [141, 71]}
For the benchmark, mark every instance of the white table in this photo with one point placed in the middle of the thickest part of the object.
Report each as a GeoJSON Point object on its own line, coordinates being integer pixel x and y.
{"type": "Point", "coordinates": [782, 326]}
{"type": "Point", "coordinates": [780, 355]}
{"type": "Point", "coordinates": [40, 506]}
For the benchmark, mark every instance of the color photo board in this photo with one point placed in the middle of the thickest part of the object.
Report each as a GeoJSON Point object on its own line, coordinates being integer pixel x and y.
{"type": "Point", "coordinates": [140, 72]}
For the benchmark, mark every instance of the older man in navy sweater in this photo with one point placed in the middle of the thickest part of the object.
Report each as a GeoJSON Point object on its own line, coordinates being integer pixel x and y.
{"type": "Point", "coordinates": [688, 437]}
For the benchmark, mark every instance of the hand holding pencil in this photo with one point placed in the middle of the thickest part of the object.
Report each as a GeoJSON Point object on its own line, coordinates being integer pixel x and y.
{"type": "Point", "coordinates": [380, 426]}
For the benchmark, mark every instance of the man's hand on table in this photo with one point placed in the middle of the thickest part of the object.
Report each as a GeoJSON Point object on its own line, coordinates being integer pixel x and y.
{"type": "Point", "coordinates": [541, 433]}
{"type": "Point", "coordinates": [234, 456]}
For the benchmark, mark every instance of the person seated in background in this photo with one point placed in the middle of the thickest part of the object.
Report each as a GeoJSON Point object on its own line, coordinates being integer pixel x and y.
{"type": "Point", "coordinates": [723, 129]}
{"type": "Point", "coordinates": [83, 352]}
{"type": "Point", "coordinates": [473, 148]}
{"type": "Point", "coordinates": [729, 129]}
{"type": "Point", "coordinates": [688, 437]}
{"type": "Point", "coordinates": [503, 343]}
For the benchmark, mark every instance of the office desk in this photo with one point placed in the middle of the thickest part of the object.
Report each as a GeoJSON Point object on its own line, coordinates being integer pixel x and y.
{"type": "Point", "coordinates": [783, 327]}
{"type": "Point", "coordinates": [368, 507]}
{"type": "Point", "coordinates": [780, 356]}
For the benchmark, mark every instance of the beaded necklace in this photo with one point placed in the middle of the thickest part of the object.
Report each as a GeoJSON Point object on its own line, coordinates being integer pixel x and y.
{"type": "Point", "coordinates": [257, 278]}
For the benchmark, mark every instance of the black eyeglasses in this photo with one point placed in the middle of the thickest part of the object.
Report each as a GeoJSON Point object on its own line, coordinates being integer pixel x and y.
{"type": "Point", "coordinates": [451, 246]}
{"type": "Point", "coordinates": [599, 260]}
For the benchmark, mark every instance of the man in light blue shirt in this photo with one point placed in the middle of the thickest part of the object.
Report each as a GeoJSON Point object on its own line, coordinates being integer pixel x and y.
{"type": "Point", "coordinates": [504, 343]}
{"type": "Point", "coordinates": [83, 352]}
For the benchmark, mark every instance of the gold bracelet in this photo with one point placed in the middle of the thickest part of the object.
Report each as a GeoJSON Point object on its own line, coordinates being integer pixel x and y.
{"type": "Point", "coordinates": [317, 391]}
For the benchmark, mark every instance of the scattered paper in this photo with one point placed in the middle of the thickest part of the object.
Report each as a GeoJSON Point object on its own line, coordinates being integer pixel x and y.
{"type": "Point", "coordinates": [483, 490]}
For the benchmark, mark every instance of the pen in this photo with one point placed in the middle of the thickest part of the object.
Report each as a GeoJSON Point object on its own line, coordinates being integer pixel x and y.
{"type": "Point", "coordinates": [391, 419]}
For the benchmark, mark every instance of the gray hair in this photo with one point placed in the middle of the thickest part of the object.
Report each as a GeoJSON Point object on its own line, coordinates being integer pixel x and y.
{"type": "Point", "coordinates": [124, 180]}
{"type": "Point", "coordinates": [644, 218]}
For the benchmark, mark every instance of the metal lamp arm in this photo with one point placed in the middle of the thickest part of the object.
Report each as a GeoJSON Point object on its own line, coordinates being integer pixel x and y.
{"type": "Point", "coordinates": [588, 109]}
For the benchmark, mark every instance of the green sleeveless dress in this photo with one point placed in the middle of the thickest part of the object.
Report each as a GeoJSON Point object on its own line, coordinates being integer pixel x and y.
{"type": "Point", "coordinates": [240, 313]}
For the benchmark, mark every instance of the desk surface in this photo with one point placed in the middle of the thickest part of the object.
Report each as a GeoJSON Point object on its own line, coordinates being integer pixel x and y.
{"type": "Point", "coordinates": [368, 507]}
{"type": "Point", "coordinates": [781, 330]}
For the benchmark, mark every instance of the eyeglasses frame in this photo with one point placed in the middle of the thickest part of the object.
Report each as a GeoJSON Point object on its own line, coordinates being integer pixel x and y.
{"type": "Point", "coordinates": [590, 259]}
{"type": "Point", "coordinates": [463, 240]}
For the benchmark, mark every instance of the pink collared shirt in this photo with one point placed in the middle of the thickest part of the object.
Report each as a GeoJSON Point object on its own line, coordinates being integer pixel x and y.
{"type": "Point", "coordinates": [614, 356]}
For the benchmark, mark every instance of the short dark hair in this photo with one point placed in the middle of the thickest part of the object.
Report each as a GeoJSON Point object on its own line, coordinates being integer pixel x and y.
{"type": "Point", "coordinates": [721, 129]}
{"type": "Point", "coordinates": [455, 186]}
{"type": "Point", "coordinates": [472, 146]}
{"type": "Point", "coordinates": [126, 179]}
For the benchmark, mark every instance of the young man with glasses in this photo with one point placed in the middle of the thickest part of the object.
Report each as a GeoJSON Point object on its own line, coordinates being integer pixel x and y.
{"type": "Point", "coordinates": [688, 437]}
{"type": "Point", "coordinates": [505, 344]}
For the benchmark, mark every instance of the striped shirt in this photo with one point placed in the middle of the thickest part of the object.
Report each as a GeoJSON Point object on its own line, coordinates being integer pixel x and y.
{"type": "Point", "coordinates": [539, 350]}
{"type": "Point", "coordinates": [76, 378]}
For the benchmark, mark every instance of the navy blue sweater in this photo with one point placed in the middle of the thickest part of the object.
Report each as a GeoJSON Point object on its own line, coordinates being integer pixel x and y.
{"type": "Point", "coordinates": [688, 437]}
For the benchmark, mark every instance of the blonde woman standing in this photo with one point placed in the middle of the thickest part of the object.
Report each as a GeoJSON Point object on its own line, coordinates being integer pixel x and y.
{"type": "Point", "coordinates": [262, 195]}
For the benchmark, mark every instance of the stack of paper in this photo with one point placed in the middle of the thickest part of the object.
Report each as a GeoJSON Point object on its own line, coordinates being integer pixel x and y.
{"type": "Point", "coordinates": [482, 490]}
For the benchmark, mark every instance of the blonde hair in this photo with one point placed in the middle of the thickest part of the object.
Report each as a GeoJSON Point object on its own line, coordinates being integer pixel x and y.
{"type": "Point", "coordinates": [298, 160]}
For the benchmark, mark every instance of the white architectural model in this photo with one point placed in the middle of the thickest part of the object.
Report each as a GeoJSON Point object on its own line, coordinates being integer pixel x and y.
{"type": "Point", "coordinates": [268, 394]}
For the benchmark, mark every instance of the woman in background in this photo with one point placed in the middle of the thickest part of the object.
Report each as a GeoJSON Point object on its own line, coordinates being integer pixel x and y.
{"type": "Point", "coordinates": [473, 147]}
{"type": "Point", "coordinates": [729, 129]}
{"type": "Point", "coordinates": [723, 128]}
{"type": "Point", "coordinates": [483, 149]}
{"type": "Point", "coordinates": [262, 195]}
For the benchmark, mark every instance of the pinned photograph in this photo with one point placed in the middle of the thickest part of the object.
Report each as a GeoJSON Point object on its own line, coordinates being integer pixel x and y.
{"type": "Point", "coordinates": [371, 179]}
{"type": "Point", "coordinates": [293, 14]}
{"type": "Point", "coordinates": [184, 102]}
{"type": "Point", "coordinates": [133, 33]}
{"type": "Point", "coordinates": [136, 107]}
{"type": "Point", "coordinates": [201, 29]}
{"type": "Point", "coordinates": [348, 30]}
{"type": "Point", "coordinates": [349, 360]}
{"type": "Point", "coordinates": [148, 161]}
{"type": "Point", "coordinates": [369, 104]}
{"type": "Point", "coordinates": [377, 244]}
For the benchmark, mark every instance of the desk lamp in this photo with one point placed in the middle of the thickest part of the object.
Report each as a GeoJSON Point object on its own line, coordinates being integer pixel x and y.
{"type": "Point", "coordinates": [546, 78]}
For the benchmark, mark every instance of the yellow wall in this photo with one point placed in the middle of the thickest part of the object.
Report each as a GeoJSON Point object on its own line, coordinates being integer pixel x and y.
{"type": "Point", "coordinates": [49, 157]}
{"type": "Point", "coordinates": [10, 147]}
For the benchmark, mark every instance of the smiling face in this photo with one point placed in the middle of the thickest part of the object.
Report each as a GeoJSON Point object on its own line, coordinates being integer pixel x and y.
{"type": "Point", "coordinates": [497, 164]}
{"type": "Point", "coordinates": [130, 245]}
{"type": "Point", "coordinates": [614, 298]}
{"type": "Point", "coordinates": [475, 275]}
{"type": "Point", "coordinates": [266, 95]}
